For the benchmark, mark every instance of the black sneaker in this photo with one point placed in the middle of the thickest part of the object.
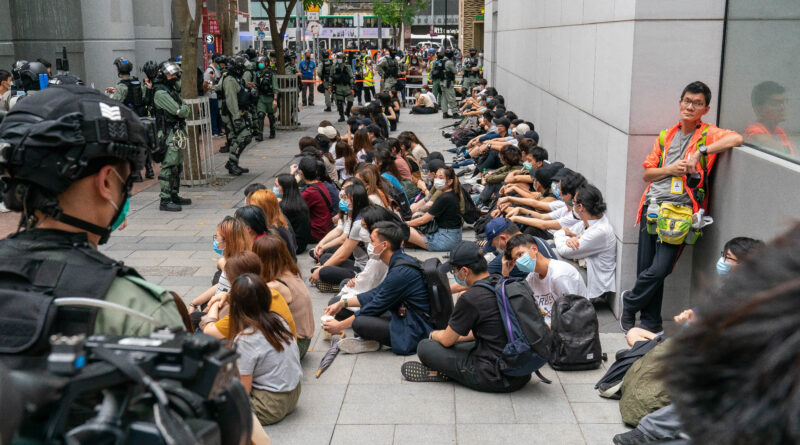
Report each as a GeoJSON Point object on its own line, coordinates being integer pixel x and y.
{"type": "Point", "coordinates": [233, 169]}
{"type": "Point", "coordinates": [626, 320]}
{"type": "Point", "coordinates": [259, 138]}
{"type": "Point", "coordinates": [182, 201]}
{"type": "Point", "coordinates": [632, 437]}
{"type": "Point", "coordinates": [169, 206]}
{"type": "Point", "coordinates": [446, 116]}
{"type": "Point", "coordinates": [328, 109]}
{"type": "Point", "coordinates": [417, 372]}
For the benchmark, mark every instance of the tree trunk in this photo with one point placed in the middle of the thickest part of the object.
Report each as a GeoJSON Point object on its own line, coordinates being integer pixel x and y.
{"type": "Point", "coordinates": [275, 32]}
{"type": "Point", "coordinates": [226, 16]}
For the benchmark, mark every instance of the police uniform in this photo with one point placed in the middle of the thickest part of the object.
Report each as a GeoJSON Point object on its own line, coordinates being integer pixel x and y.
{"type": "Point", "coordinates": [324, 70]}
{"type": "Point", "coordinates": [341, 79]}
{"type": "Point", "coordinates": [389, 69]}
{"type": "Point", "coordinates": [235, 118]}
{"type": "Point", "coordinates": [133, 94]}
{"type": "Point", "coordinates": [171, 114]}
{"type": "Point", "coordinates": [448, 101]}
{"type": "Point", "coordinates": [267, 93]}
{"type": "Point", "coordinates": [250, 76]}
{"type": "Point", "coordinates": [291, 69]}
{"type": "Point", "coordinates": [470, 76]}
{"type": "Point", "coordinates": [437, 76]}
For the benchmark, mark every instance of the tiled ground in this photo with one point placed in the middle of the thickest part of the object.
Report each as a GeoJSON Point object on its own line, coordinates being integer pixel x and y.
{"type": "Point", "coordinates": [363, 399]}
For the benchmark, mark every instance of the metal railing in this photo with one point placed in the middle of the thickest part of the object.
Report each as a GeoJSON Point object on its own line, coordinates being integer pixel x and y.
{"type": "Point", "coordinates": [287, 102]}
{"type": "Point", "coordinates": [198, 155]}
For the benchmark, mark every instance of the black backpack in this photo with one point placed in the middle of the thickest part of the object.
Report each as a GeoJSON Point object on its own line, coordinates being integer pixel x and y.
{"type": "Point", "coordinates": [576, 335]}
{"type": "Point", "coordinates": [471, 213]}
{"type": "Point", "coordinates": [441, 300]}
{"type": "Point", "coordinates": [529, 338]}
{"type": "Point", "coordinates": [399, 203]}
{"type": "Point", "coordinates": [133, 99]}
{"type": "Point", "coordinates": [437, 72]}
{"type": "Point", "coordinates": [391, 68]}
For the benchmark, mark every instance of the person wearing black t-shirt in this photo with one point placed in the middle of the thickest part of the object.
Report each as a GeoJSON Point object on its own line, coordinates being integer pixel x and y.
{"type": "Point", "coordinates": [467, 351]}
{"type": "Point", "coordinates": [445, 211]}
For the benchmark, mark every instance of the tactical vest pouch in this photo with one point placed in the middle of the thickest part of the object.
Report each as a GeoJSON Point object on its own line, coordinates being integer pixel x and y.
{"type": "Point", "coordinates": [24, 317]}
{"type": "Point", "coordinates": [674, 223]}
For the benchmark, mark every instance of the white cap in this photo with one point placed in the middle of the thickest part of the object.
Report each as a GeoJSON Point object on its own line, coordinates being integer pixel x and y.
{"type": "Point", "coordinates": [328, 131]}
{"type": "Point", "coordinates": [521, 129]}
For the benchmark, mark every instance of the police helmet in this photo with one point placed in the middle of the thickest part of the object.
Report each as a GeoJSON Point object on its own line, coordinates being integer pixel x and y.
{"type": "Point", "coordinates": [65, 133]}
{"type": "Point", "coordinates": [263, 59]}
{"type": "Point", "coordinates": [170, 68]}
{"type": "Point", "coordinates": [472, 49]}
{"type": "Point", "coordinates": [251, 53]}
{"type": "Point", "coordinates": [15, 69]}
{"type": "Point", "coordinates": [292, 55]}
{"type": "Point", "coordinates": [66, 79]}
{"type": "Point", "coordinates": [29, 75]}
{"type": "Point", "coordinates": [124, 66]}
{"type": "Point", "coordinates": [340, 55]}
{"type": "Point", "coordinates": [150, 69]}
{"type": "Point", "coordinates": [448, 53]}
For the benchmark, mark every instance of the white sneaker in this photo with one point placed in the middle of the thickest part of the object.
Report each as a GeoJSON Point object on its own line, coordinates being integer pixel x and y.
{"type": "Point", "coordinates": [3, 208]}
{"type": "Point", "coordinates": [351, 345]}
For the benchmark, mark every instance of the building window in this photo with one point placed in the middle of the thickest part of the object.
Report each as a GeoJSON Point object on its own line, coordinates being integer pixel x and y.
{"type": "Point", "coordinates": [760, 95]}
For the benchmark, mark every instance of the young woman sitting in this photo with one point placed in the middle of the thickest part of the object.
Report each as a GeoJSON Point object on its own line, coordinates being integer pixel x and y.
{"type": "Point", "coordinates": [276, 222]}
{"type": "Point", "coordinates": [445, 211]}
{"type": "Point", "coordinates": [295, 209]}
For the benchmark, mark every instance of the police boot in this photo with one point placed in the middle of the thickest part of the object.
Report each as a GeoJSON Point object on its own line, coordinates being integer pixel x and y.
{"type": "Point", "coordinates": [271, 126]}
{"type": "Point", "coordinates": [169, 206]}
{"type": "Point", "coordinates": [349, 107]}
{"type": "Point", "coordinates": [328, 109]}
{"type": "Point", "coordinates": [233, 169]}
{"type": "Point", "coordinates": [148, 171]}
{"type": "Point", "coordinates": [182, 201]}
{"type": "Point", "coordinates": [225, 148]}
{"type": "Point", "coordinates": [259, 137]}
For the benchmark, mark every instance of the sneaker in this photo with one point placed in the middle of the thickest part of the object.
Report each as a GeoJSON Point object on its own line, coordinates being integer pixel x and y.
{"type": "Point", "coordinates": [327, 287]}
{"type": "Point", "coordinates": [632, 437]}
{"type": "Point", "coordinates": [351, 345]}
{"type": "Point", "coordinates": [610, 390]}
{"type": "Point", "coordinates": [626, 320]}
{"type": "Point", "coordinates": [484, 209]}
{"type": "Point", "coordinates": [417, 372]}
{"type": "Point", "coordinates": [452, 150]}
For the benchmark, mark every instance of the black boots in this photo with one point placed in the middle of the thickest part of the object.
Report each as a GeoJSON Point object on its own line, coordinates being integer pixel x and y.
{"type": "Point", "coordinates": [180, 201]}
{"type": "Point", "coordinates": [259, 137]}
{"type": "Point", "coordinates": [225, 148]}
{"type": "Point", "coordinates": [328, 109]}
{"type": "Point", "coordinates": [271, 118]}
{"type": "Point", "coordinates": [233, 169]}
{"type": "Point", "coordinates": [148, 171]}
{"type": "Point", "coordinates": [169, 206]}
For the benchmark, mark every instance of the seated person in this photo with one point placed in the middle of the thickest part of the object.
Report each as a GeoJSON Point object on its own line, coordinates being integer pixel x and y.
{"type": "Point", "coordinates": [594, 241]}
{"type": "Point", "coordinates": [350, 257]}
{"type": "Point", "coordinates": [446, 211]}
{"type": "Point", "coordinates": [511, 158]}
{"type": "Point", "coordinates": [429, 192]}
{"type": "Point", "coordinates": [254, 219]}
{"type": "Point", "coordinates": [269, 362]}
{"type": "Point", "coordinates": [374, 271]}
{"type": "Point", "coordinates": [402, 294]}
{"type": "Point", "coordinates": [294, 208]}
{"type": "Point", "coordinates": [423, 104]}
{"type": "Point", "coordinates": [533, 157]}
{"type": "Point", "coordinates": [276, 221]}
{"type": "Point", "coordinates": [545, 225]}
{"type": "Point", "coordinates": [385, 160]}
{"type": "Point", "coordinates": [498, 231]}
{"type": "Point", "coordinates": [317, 199]}
{"type": "Point", "coordinates": [549, 279]}
{"type": "Point", "coordinates": [468, 349]}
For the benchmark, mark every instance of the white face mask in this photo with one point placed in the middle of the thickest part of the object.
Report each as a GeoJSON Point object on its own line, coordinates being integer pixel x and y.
{"type": "Point", "coordinates": [371, 252]}
{"type": "Point", "coordinates": [439, 184]}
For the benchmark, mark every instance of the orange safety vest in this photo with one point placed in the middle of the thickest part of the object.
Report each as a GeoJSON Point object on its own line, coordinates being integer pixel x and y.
{"type": "Point", "coordinates": [708, 134]}
{"type": "Point", "coordinates": [759, 128]}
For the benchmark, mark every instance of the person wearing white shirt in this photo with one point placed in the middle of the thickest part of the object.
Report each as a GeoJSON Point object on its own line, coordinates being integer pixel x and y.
{"type": "Point", "coordinates": [545, 225]}
{"type": "Point", "coordinates": [549, 279]}
{"type": "Point", "coordinates": [593, 240]}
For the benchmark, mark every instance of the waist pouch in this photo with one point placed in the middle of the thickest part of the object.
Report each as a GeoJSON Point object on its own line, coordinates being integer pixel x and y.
{"type": "Point", "coordinates": [674, 223]}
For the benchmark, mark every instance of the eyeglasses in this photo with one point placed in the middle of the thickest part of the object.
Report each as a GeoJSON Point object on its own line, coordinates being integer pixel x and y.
{"type": "Point", "coordinates": [695, 103]}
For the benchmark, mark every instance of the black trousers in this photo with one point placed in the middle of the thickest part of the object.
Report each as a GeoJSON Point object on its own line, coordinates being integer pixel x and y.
{"type": "Point", "coordinates": [373, 328]}
{"type": "Point", "coordinates": [369, 93]}
{"type": "Point", "coordinates": [335, 274]}
{"type": "Point", "coordinates": [535, 231]}
{"type": "Point", "coordinates": [419, 109]}
{"type": "Point", "coordinates": [654, 262]}
{"type": "Point", "coordinates": [456, 363]}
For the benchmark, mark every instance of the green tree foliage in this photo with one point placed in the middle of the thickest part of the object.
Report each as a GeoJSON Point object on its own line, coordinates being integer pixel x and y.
{"type": "Point", "coordinates": [397, 12]}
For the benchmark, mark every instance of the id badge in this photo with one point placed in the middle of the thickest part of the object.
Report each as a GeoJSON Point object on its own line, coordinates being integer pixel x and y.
{"type": "Point", "coordinates": [676, 187]}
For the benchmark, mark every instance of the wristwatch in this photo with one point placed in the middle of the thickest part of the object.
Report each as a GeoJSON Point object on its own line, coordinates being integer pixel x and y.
{"type": "Point", "coordinates": [703, 150]}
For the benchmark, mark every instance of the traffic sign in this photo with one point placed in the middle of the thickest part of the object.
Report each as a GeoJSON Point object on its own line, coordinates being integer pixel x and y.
{"type": "Point", "coordinates": [262, 35]}
{"type": "Point", "coordinates": [209, 39]}
{"type": "Point", "coordinates": [314, 28]}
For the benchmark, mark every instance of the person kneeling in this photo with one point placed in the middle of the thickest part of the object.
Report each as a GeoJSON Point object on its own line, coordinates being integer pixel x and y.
{"type": "Point", "coordinates": [392, 314]}
{"type": "Point", "coordinates": [468, 350]}
{"type": "Point", "coordinates": [269, 361]}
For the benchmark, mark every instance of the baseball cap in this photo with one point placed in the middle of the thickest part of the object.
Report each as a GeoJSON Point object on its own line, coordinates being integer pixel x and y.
{"type": "Point", "coordinates": [463, 254]}
{"type": "Point", "coordinates": [435, 164]}
{"type": "Point", "coordinates": [530, 134]}
{"type": "Point", "coordinates": [521, 129]}
{"type": "Point", "coordinates": [494, 227]}
{"type": "Point", "coordinates": [328, 131]}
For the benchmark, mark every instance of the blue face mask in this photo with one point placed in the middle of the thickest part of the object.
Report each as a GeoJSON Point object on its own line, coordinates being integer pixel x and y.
{"type": "Point", "coordinates": [556, 190]}
{"type": "Point", "coordinates": [277, 192]}
{"type": "Point", "coordinates": [723, 267]}
{"type": "Point", "coordinates": [216, 248]}
{"type": "Point", "coordinates": [122, 215]}
{"type": "Point", "coordinates": [525, 263]}
{"type": "Point", "coordinates": [527, 166]}
{"type": "Point", "coordinates": [344, 206]}
{"type": "Point", "coordinates": [458, 280]}
{"type": "Point", "coordinates": [261, 66]}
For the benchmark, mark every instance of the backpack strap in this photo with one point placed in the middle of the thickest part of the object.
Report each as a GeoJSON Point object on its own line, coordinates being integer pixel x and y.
{"type": "Point", "coordinates": [323, 194]}
{"type": "Point", "coordinates": [662, 139]}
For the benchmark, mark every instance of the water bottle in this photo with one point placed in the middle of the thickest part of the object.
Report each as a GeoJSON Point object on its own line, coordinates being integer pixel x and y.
{"type": "Point", "coordinates": [652, 216]}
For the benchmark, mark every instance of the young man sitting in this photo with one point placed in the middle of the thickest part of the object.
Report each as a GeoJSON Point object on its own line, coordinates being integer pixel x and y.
{"type": "Point", "coordinates": [467, 351]}
{"type": "Point", "coordinates": [549, 279]}
{"type": "Point", "coordinates": [403, 294]}
{"type": "Point", "coordinates": [424, 104]}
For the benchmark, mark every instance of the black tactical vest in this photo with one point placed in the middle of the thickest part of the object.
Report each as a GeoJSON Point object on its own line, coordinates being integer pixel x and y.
{"type": "Point", "coordinates": [340, 76]}
{"type": "Point", "coordinates": [265, 83]}
{"type": "Point", "coordinates": [327, 64]}
{"type": "Point", "coordinates": [133, 99]}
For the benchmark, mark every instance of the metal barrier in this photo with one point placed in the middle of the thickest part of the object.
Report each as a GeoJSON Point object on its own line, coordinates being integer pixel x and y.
{"type": "Point", "coordinates": [287, 102]}
{"type": "Point", "coordinates": [412, 88]}
{"type": "Point", "coordinates": [198, 152]}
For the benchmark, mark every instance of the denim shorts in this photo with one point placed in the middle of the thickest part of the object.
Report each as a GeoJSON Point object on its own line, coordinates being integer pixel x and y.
{"type": "Point", "coordinates": [443, 239]}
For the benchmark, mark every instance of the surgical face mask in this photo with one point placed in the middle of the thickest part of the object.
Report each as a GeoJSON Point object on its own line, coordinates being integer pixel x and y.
{"type": "Point", "coordinates": [569, 203]}
{"type": "Point", "coordinates": [216, 248]}
{"type": "Point", "coordinates": [277, 191]}
{"type": "Point", "coordinates": [525, 263]}
{"type": "Point", "coordinates": [527, 166]}
{"type": "Point", "coordinates": [556, 190]}
{"type": "Point", "coordinates": [344, 206]}
{"type": "Point", "coordinates": [261, 66]}
{"type": "Point", "coordinates": [459, 280]}
{"type": "Point", "coordinates": [575, 214]}
{"type": "Point", "coordinates": [723, 267]}
{"type": "Point", "coordinates": [123, 212]}
{"type": "Point", "coordinates": [439, 184]}
{"type": "Point", "coordinates": [371, 251]}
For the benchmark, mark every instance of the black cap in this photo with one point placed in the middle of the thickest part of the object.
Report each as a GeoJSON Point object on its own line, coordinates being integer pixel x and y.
{"type": "Point", "coordinates": [463, 254]}
{"type": "Point", "coordinates": [561, 174]}
{"type": "Point", "coordinates": [434, 165]}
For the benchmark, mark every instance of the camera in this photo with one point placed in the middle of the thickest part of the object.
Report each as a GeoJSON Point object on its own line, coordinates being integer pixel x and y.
{"type": "Point", "coordinates": [168, 388]}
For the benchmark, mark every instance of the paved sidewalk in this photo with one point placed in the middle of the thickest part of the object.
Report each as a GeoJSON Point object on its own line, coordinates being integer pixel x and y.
{"type": "Point", "coordinates": [363, 399]}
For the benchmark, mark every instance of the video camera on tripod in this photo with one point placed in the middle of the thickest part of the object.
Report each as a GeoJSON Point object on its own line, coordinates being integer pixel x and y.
{"type": "Point", "coordinates": [168, 388]}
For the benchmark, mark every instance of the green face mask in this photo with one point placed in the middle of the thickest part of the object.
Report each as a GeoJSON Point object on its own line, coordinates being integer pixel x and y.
{"type": "Point", "coordinates": [122, 215]}
{"type": "Point", "coordinates": [261, 66]}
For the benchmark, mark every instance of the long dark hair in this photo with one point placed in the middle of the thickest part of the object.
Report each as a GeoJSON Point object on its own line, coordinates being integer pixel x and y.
{"type": "Point", "coordinates": [450, 173]}
{"type": "Point", "coordinates": [292, 203]}
{"type": "Point", "coordinates": [251, 300]}
{"type": "Point", "coordinates": [407, 139]}
{"type": "Point", "coordinates": [361, 141]}
{"type": "Point", "coordinates": [385, 160]}
{"type": "Point", "coordinates": [253, 217]}
{"type": "Point", "coordinates": [343, 150]}
{"type": "Point", "coordinates": [358, 197]}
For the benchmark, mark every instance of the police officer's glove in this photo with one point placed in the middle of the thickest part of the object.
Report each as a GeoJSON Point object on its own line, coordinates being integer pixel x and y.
{"type": "Point", "coordinates": [238, 125]}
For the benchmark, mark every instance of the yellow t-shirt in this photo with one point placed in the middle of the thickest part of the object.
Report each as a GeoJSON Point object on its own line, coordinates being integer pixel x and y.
{"type": "Point", "coordinates": [278, 306]}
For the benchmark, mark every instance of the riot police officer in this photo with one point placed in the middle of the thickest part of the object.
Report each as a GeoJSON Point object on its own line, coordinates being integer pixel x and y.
{"type": "Point", "coordinates": [471, 72]}
{"type": "Point", "coordinates": [131, 92]}
{"type": "Point", "coordinates": [235, 105]}
{"type": "Point", "coordinates": [292, 69]}
{"type": "Point", "coordinates": [222, 62]}
{"type": "Point", "coordinates": [389, 70]}
{"type": "Point", "coordinates": [437, 76]}
{"type": "Point", "coordinates": [341, 80]}
{"type": "Point", "coordinates": [250, 78]}
{"type": "Point", "coordinates": [448, 86]}
{"type": "Point", "coordinates": [324, 72]}
{"type": "Point", "coordinates": [28, 81]}
{"type": "Point", "coordinates": [267, 97]}
{"type": "Point", "coordinates": [69, 205]}
{"type": "Point", "coordinates": [170, 113]}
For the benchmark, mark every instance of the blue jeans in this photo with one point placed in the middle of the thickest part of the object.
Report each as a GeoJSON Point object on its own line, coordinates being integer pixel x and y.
{"type": "Point", "coordinates": [443, 239]}
{"type": "Point", "coordinates": [213, 108]}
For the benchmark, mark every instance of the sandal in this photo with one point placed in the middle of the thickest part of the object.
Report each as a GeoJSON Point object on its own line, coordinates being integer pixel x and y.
{"type": "Point", "coordinates": [417, 372]}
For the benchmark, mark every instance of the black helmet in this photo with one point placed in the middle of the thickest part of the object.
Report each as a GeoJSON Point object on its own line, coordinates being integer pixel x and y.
{"type": "Point", "coordinates": [220, 59]}
{"type": "Point", "coordinates": [124, 66]}
{"type": "Point", "coordinates": [29, 75]}
{"type": "Point", "coordinates": [63, 134]}
{"type": "Point", "coordinates": [251, 53]}
{"type": "Point", "coordinates": [472, 49]}
{"type": "Point", "coordinates": [292, 55]}
{"type": "Point", "coordinates": [66, 79]}
{"type": "Point", "coordinates": [17, 67]}
{"type": "Point", "coordinates": [237, 65]}
{"type": "Point", "coordinates": [150, 69]}
{"type": "Point", "coordinates": [392, 51]}
{"type": "Point", "coordinates": [448, 53]}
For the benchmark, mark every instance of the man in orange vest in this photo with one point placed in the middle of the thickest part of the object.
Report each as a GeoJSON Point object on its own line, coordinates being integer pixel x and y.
{"type": "Point", "coordinates": [769, 104]}
{"type": "Point", "coordinates": [676, 172]}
